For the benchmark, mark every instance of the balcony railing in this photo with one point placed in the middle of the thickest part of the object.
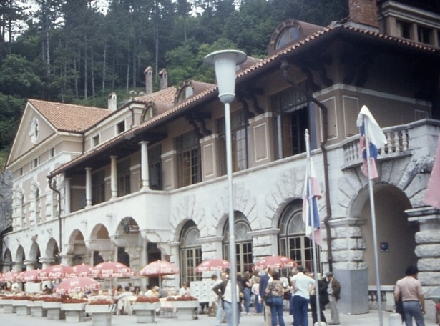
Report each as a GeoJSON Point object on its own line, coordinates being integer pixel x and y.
{"type": "Point", "coordinates": [398, 143]}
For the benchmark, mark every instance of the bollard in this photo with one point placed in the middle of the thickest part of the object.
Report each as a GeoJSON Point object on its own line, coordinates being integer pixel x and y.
{"type": "Point", "coordinates": [394, 320]}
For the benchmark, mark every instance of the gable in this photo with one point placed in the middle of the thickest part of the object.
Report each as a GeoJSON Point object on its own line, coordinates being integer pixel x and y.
{"type": "Point", "coordinates": [32, 130]}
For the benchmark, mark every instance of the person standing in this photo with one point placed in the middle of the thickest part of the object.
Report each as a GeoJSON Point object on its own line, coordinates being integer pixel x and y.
{"type": "Point", "coordinates": [334, 294]}
{"type": "Point", "coordinates": [247, 286]}
{"type": "Point", "coordinates": [410, 288]}
{"type": "Point", "coordinates": [256, 292]}
{"type": "Point", "coordinates": [227, 302]}
{"type": "Point", "coordinates": [321, 289]}
{"type": "Point", "coordinates": [264, 282]}
{"type": "Point", "coordinates": [302, 286]}
{"type": "Point", "coordinates": [219, 289]}
{"type": "Point", "coordinates": [276, 289]}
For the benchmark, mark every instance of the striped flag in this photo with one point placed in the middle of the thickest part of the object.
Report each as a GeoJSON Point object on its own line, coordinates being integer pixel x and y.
{"type": "Point", "coordinates": [432, 195]}
{"type": "Point", "coordinates": [372, 134]}
{"type": "Point", "coordinates": [312, 192]}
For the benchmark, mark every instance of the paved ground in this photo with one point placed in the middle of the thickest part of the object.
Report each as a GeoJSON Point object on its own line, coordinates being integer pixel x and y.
{"type": "Point", "coordinates": [346, 320]}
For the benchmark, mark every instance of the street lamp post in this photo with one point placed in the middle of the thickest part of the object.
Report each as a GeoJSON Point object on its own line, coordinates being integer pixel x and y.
{"type": "Point", "coordinates": [225, 62]}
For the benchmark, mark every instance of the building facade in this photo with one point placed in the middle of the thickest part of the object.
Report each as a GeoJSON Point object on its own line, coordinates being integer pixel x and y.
{"type": "Point", "coordinates": [147, 180]}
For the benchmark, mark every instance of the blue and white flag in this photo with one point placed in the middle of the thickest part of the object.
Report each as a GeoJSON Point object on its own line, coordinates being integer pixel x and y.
{"type": "Point", "coordinates": [312, 192]}
{"type": "Point", "coordinates": [372, 134]}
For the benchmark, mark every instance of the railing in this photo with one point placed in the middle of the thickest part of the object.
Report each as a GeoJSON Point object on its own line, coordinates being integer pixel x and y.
{"type": "Point", "coordinates": [386, 296]}
{"type": "Point", "coordinates": [397, 144]}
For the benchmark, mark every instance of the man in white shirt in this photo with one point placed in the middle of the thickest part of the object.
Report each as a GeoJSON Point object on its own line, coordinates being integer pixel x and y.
{"type": "Point", "coordinates": [220, 291]}
{"type": "Point", "coordinates": [227, 301]}
{"type": "Point", "coordinates": [302, 285]}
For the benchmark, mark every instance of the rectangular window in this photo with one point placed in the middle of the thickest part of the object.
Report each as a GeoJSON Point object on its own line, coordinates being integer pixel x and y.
{"type": "Point", "coordinates": [34, 163]}
{"type": "Point", "coordinates": [424, 34]}
{"type": "Point", "coordinates": [120, 127]}
{"type": "Point", "coordinates": [190, 258]}
{"type": "Point", "coordinates": [124, 187]}
{"type": "Point", "coordinates": [403, 29]}
{"type": "Point", "coordinates": [290, 108]}
{"type": "Point", "coordinates": [98, 187]}
{"type": "Point", "coordinates": [155, 167]}
{"type": "Point", "coordinates": [239, 143]}
{"type": "Point", "coordinates": [95, 141]}
{"type": "Point", "coordinates": [52, 152]}
{"type": "Point", "coordinates": [188, 159]}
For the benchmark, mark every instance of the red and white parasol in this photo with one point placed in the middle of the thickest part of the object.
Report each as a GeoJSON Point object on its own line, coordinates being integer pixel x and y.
{"type": "Point", "coordinates": [159, 268]}
{"type": "Point", "coordinates": [274, 262]}
{"type": "Point", "coordinates": [212, 265]}
{"type": "Point", "coordinates": [76, 284]}
{"type": "Point", "coordinates": [82, 270]}
{"type": "Point", "coordinates": [110, 269]}
{"type": "Point", "coordinates": [55, 272]}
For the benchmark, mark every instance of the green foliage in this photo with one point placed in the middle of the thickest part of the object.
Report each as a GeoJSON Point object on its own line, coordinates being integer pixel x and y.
{"type": "Point", "coordinates": [84, 56]}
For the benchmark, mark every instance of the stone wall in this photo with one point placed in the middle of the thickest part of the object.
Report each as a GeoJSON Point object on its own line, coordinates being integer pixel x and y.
{"type": "Point", "coordinates": [5, 200]}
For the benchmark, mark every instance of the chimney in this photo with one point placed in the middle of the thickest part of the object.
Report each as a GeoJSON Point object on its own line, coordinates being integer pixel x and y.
{"type": "Point", "coordinates": [148, 80]}
{"type": "Point", "coordinates": [163, 79]}
{"type": "Point", "coordinates": [113, 102]}
{"type": "Point", "coordinates": [363, 12]}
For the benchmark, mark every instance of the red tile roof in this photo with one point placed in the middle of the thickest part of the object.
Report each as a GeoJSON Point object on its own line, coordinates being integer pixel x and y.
{"type": "Point", "coordinates": [69, 117]}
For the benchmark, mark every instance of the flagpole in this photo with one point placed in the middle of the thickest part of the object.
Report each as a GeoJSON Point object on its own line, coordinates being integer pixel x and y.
{"type": "Point", "coordinates": [311, 213]}
{"type": "Point", "coordinates": [373, 224]}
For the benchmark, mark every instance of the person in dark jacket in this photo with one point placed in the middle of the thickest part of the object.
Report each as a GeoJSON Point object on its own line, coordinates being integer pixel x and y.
{"type": "Point", "coordinates": [334, 294]}
{"type": "Point", "coordinates": [264, 281]}
{"type": "Point", "coordinates": [323, 301]}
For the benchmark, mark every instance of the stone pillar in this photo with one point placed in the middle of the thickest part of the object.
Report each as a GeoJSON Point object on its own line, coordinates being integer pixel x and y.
{"type": "Point", "coordinates": [17, 265]}
{"type": "Point", "coordinates": [114, 177]}
{"type": "Point", "coordinates": [6, 267]}
{"type": "Point", "coordinates": [88, 187]}
{"type": "Point", "coordinates": [46, 262]}
{"type": "Point", "coordinates": [30, 264]}
{"type": "Point", "coordinates": [107, 255]}
{"type": "Point", "coordinates": [427, 245]}
{"type": "Point", "coordinates": [66, 196]}
{"type": "Point", "coordinates": [145, 173]}
{"type": "Point", "coordinates": [66, 259]}
{"type": "Point", "coordinates": [263, 243]}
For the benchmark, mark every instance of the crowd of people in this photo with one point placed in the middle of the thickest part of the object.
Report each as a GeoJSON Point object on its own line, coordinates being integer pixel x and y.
{"type": "Point", "coordinates": [271, 292]}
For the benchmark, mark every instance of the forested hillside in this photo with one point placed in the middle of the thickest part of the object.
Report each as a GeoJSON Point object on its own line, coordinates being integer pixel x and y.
{"type": "Point", "coordinates": [72, 52]}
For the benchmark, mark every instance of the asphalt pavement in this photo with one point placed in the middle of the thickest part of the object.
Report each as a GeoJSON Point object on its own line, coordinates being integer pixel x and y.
{"type": "Point", "coordinates": [369, 319]}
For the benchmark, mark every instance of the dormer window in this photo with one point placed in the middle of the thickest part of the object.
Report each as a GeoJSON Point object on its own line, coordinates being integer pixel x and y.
{"type": "Point", "coordinates": [289, 35]}
{"type": "Point", "coordinates": [185, 92]}
{"type": "Point", "coordinates": [148, 112]}
{"type": "Point", "coordinates": [95, 140]}
{"type": "Point", "coordinates": [120, 127]}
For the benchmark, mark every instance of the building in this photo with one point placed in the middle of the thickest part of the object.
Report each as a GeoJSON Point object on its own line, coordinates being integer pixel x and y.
{"type": "Point", "coordinates": [147, 180]}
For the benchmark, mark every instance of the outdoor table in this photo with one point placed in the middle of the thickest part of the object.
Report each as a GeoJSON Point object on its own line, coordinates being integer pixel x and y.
{"type": "Point", "coordinates": [185, 309]}
{"type": "Point", "coordinates": [74, 312]}
{"type": "Point", "coordinates": [145, 311]}
{"type": "Point", "coordinates": [8, 308]}
{"type": "Point", "coordinates": [54, 311]}
{"type": "Point", "coordinates": [37, 309]}
{"type": "Point", "coordinates": [101, 314]}
{"type": "Point", "coordinates": [21, 307]}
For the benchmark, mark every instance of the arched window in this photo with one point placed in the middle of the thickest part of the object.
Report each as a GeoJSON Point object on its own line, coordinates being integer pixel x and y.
{"type": "Point", "coordinates": [243, 243]}
{"type": "Point", "coordinates": [289, 35]}
{"type": "Point", "coordinates": [292, 241]}
{"type": "Point", "coordinates": [190, 253]}
{"type": "Point", "coordinates": [21, 211]}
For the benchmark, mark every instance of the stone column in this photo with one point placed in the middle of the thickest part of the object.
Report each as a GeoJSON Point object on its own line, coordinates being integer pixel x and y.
{"type": "Point", "coordinates": [46, 262]}
{"type": "Point", "coordinates": [66, 196]}
{"type": "Point", "coordinates": [427, 245]}
{"type": "Point", "coordinates": [30, 264]}
{"type": "Point", "coordinates": [88, 187]}
{"type": "Point", "coordinates": [17, 265]}
{"type": "Point", "coordinates": [66, 259]}
{"type": "Point", "coordinates": [263, 243]}
{"type": "Point", "coordinates": [145, 173]}
{"type": "Point", "coordinates": [114, 177]}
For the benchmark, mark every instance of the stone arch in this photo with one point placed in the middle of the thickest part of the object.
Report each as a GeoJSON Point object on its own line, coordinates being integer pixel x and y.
{"type": "Point", "coordinates": [52, 251]}
{"type": "Point", "coordinates": [190, 252]}
{"type": "Point", "coordinates": [77, 248]}
{"type": "Point", "coordinates": [7, 260]}
{"type": "Point", "coordinates": [395, 236]}
{"type": "Point", "coordinates": [20, 257]}
{"type": "Point", "coordinates": [35, 254]}
{"type": "Point", "coordinates": [100, 244]}
{"type": "Point", "coordinates": [186, 208]}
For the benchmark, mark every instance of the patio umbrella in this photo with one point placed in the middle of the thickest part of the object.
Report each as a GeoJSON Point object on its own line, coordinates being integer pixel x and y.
{"type": "Point", "coordinates": [82, 270]}
{"type": "Point", "coordinates": [159, 268]}
{"type": "Point", "coordinates": [76, 284]}
{"type": "Point", "coordinates": [212, 265]}
{"type": "Point", "coordinates": [55, 272]}
{"type": "Point", "coordinates": [9, 276]}
{"type": "Point", "coordinates": [274, 262]}
{"type": "Point", "coordinates": [30, 276]}
{"type": "Point", "coordinates": [110, 269]}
